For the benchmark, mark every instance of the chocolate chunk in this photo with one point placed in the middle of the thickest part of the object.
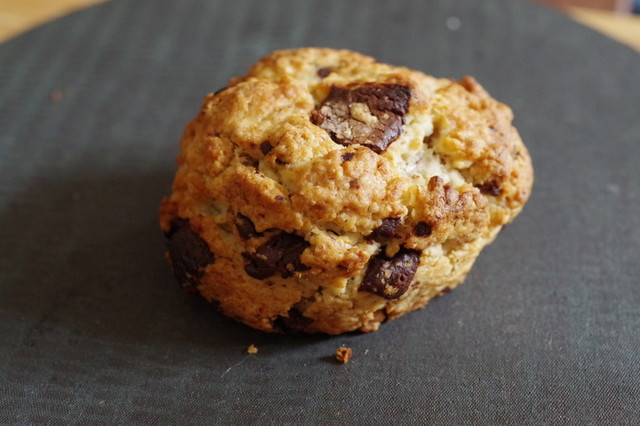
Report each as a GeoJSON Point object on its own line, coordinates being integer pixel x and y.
{"type": "Point", "coordinates": [245, 227]}
{"type": "Point", "coordinates": [292, 323]}
{"type": "Point", "coordinates": [386, 230]}
{"type": "Point", "coordinates": [323, 72]}
{"type": "Point", "coordinates": [280, 254]}
{"type": "Point", "coordinates": [490, 188]}
{"type": "Point", "coordinates": [422, 229]}
{"type": "Point", "coordinates": [348, 156]}
{"type": "Point", "coordinates": [370, 114]}
{"type": "Point", "coordinates": [259, 267]}
{"type": "Point", "coordinates": [189, 254]}
{"type": "Point", "coordinates": [390, 277]}
{"type": "Point", "coordinates": [265, 147]}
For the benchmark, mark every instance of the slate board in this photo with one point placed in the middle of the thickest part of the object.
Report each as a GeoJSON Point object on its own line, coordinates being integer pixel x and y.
{"type": "Point", "coordinates": [94, 330]}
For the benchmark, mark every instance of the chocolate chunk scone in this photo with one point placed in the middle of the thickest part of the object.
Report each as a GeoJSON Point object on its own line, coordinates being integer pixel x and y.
{"type": "Point", "coordinates": [327, 192]}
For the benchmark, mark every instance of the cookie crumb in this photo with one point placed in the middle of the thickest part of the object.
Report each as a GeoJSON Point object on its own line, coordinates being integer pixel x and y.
{"type": "Point", "coordinates": [57, 95]}
{"type": "Point", "coordinates": [343, 355]}
{"type": "Point", "coordinates": [252, 349]}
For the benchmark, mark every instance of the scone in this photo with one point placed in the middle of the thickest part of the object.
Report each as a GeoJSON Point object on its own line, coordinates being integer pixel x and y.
{"type": "Point", "coordinates": [327, 192]}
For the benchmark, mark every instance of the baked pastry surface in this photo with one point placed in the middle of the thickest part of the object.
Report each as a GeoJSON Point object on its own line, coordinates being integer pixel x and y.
{"type": "Point", "coordinates": [327, 192]}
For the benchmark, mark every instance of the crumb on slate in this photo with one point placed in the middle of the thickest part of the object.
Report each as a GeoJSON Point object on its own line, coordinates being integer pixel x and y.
{"type": "Point", "coordinates": [343, 355]}
{"type": "Point", "coordinates": [252, 349]}
{"type": "Point", "coordinates": [57, 95]}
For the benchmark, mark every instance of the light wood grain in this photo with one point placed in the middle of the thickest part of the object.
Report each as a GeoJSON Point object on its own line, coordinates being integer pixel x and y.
{"type": "Point", "coordinates": [622, 27]}
{"type": "Point", "coordinates": [18, 16]}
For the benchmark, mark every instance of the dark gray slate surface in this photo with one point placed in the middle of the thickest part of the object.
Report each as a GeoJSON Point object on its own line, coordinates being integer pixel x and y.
{"type": "Point", "coordinates": [93, 328]}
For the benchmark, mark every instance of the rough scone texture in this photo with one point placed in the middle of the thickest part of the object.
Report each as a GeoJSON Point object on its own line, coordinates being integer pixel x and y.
{"type": "Point", "coordinates": [327, 192]}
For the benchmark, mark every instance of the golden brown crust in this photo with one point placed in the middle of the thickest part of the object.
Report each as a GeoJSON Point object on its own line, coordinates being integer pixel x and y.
{"type": "Point", "coordinates": [475, 136]}
{"type": "Point", "coordinates": [298, 218]}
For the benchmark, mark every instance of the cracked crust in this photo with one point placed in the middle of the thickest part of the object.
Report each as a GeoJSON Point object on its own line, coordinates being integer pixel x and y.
{"type": "Point", "coordinates": [330, 192]}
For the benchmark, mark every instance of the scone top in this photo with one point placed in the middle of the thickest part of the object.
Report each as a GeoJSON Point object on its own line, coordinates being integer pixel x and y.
{"type": "Point", "coordinates": [347, 142]}
{"type": "Point", "coordinates": [330, 168]}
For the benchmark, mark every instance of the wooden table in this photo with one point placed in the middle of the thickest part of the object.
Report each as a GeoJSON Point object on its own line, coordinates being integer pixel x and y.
{"type": "Point", "coordinates": [17, 16]}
